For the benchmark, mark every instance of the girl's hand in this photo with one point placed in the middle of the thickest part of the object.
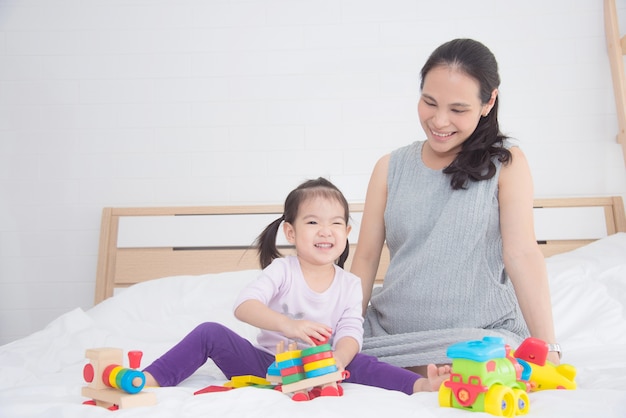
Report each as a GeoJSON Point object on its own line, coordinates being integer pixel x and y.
{"type": "Point", "coordinates": [306, 331]}
{"type": "Point", "coordinates": [339, 363]}
{"type": "Point", "coordinates": [345, 350]}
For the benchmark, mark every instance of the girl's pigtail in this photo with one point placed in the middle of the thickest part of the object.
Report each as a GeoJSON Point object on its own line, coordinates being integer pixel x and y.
{"type": "Point", "coordinates": [344, 256]}
{"type": "Point", "coordinates": [266, 243]}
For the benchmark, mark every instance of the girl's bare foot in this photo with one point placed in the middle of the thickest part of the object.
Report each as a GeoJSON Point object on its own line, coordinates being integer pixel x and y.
{"type": "Point", "coordinates": [150, 381]}
{"type": "Point", "coordinates": [435, 376]}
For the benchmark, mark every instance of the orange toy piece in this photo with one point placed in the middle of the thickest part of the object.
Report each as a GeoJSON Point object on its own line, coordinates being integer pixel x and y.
{"type": "Point", "coordinates": [112, 386]}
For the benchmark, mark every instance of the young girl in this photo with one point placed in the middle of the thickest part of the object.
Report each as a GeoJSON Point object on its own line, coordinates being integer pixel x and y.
{"type": "Point", "coordinates": [296, 298]}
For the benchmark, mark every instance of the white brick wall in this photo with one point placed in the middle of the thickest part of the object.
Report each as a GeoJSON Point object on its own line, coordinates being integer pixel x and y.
{"type": "Point", "coordinates": [175, 102]}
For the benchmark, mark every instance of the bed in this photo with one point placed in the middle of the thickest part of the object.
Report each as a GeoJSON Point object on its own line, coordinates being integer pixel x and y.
{"type": "Point", "coordinates": [161, 271]}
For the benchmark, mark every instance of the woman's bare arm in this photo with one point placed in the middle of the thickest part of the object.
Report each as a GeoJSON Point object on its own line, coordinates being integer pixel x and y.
{"type": "Point", "coordinates": [372, 233]}
{"type": "Point", "coordinates": [523, 259]}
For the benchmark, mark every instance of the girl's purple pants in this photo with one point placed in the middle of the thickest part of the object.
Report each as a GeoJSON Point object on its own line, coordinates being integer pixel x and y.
{"type": "Point", "coordinates": [236, 356]}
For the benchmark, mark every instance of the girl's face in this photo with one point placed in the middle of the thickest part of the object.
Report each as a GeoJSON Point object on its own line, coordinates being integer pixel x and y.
{"type": "Point", "coordinates": [450, 108]}
{"type": "Point", "coordinates": [319, 232]}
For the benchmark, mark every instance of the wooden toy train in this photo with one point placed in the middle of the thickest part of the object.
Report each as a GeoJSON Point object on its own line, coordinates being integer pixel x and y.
{"type": "Point", "coordinates": [111, 385]}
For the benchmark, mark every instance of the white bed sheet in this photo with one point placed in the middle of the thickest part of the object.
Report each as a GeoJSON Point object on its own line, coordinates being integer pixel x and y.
{"type": "Point", "coordinates": [41, 375]}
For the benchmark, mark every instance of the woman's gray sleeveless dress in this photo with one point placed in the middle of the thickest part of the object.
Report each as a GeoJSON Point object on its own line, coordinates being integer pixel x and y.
{"type": "Point", "coordinates": [446, 281]}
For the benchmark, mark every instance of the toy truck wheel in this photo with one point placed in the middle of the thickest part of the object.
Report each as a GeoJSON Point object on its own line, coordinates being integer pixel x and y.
{"type": "Point", "coordinates": [522, 402]}
{"type": "Point", "coordinates": [445, 396]}
{"type": "Point", "coordinates": [500, 401]}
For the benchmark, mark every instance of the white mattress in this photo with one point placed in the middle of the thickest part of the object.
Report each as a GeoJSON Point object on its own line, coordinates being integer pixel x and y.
{"type": "Point", "coordinates": [41, 375]}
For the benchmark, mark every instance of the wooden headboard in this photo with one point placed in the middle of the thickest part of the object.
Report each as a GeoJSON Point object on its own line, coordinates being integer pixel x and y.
{"type": "Point", "coordinates": [145, 243]}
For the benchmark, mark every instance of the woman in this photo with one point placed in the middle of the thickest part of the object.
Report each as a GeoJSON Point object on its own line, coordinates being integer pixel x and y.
{"type": "Point", "coordinates": [456, 212]}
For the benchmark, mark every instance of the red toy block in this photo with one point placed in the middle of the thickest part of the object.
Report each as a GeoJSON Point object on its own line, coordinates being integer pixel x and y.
{"type": "Point", "coordinates": [212, 388]}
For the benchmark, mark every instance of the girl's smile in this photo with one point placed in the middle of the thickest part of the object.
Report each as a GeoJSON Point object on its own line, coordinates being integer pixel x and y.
{"type": "Point", "coordinates": [319, 232]}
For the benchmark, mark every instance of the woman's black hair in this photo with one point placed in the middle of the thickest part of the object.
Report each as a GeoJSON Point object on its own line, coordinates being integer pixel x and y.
{"type": "Point", "coordinates": [266, 241]}
{"type": "Point", "coordinates": [475, 160]}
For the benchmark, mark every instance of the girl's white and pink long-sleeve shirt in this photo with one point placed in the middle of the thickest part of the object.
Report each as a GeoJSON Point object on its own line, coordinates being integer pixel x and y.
{"type": "Point", "coordinates": [281, 286]}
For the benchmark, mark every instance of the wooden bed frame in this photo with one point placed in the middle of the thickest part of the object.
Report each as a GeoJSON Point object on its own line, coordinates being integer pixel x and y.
{"type": "Point", "coordinates": [145, 243]}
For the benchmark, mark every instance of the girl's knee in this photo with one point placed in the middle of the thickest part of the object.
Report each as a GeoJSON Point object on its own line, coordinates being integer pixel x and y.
{"type": "Point", "coordinates": [209, 326]}
{"type": "Point", "coordinates": [210, 329]}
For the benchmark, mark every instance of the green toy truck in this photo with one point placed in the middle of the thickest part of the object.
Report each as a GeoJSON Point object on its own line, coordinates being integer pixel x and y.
{"type": "Point", "coordinates": [485, 377]}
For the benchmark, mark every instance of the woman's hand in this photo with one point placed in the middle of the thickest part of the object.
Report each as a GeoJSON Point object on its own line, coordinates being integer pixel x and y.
{"type": "Point", "coordinates": [553, 357]}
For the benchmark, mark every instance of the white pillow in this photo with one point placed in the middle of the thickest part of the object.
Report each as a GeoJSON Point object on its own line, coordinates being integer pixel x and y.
{"type": "Point", "coordinates": [166, 309]}
{"type": "Point", "coordinates": [588, 290]}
